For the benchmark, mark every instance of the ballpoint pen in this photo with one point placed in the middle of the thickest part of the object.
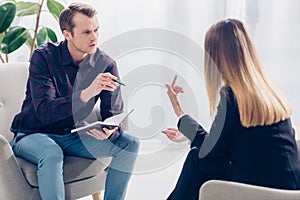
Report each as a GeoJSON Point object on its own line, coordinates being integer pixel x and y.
{"type": "Point", "coordinates": [119, 82]}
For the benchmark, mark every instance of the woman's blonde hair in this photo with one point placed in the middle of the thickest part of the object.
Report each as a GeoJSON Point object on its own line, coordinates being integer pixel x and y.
{"type": "Point", "coordinates": [231, 59]}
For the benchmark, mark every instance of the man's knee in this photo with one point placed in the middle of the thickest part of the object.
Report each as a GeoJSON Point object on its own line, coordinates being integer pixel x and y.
{"type": "Point", "coordinates": [133, 145]}
{"type": "Point", "coordinates": [128, 143]}
{"type": "Point", "coordinates": [52, 154]}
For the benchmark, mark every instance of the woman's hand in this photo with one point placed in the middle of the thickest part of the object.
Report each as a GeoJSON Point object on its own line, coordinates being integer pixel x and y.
{"type": "Point", "coordinates": [172, 92]}
{"type": "Point", "coordinates": [174, 135]}
{"type": "Point", "coordinates": [101, 135]}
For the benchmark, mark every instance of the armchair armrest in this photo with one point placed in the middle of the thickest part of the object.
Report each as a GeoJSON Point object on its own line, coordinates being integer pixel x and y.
{"type": "Point", "coordinates": [226, 190]}
{"type": "Point", "coordinates": [5, 148]}
{"type": "Point", "coordinates": [11, 176]}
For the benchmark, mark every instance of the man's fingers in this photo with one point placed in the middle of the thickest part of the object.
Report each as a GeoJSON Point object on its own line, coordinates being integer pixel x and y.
{"type": "Point", "coordinates": [93, 135]}
{"type": "Point", "coordinates": [110, 130]}
{"type": "Point", "coordinates": [107, 85]}
{"type": "Point", "coordinates": [106, 75]}
{"type": "Point", "coordinates": [106, 81]}
{"type": "Point", "coordinates": [99, 135]}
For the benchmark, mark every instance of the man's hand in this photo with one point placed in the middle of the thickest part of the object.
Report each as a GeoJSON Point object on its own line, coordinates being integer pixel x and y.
{"type": "Point", "coordinates": [172, 92]}
{"type": "Point", "coordinates": [104, 81]}
{"type": "Point", "coordinates": [101, 135]}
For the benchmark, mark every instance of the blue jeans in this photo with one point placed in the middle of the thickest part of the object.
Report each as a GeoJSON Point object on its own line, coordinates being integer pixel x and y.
{"type": "Point", "coordinates": [48, 150]}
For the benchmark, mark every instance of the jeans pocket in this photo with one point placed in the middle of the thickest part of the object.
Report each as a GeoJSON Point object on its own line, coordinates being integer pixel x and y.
{"type": "Point", "coordinates": [17, 138]}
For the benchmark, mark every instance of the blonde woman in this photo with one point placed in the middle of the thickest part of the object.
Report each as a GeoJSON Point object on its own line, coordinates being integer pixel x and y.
{"type": "Point", "coordinates": [251, 139]}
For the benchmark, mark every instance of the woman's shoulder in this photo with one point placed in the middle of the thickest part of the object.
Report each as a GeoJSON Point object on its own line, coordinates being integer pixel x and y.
{"type": "Point", "coordinates": [228, 99]}
{"type": "Point", "coordinates": [227, 92]}
{"type": "Point", "coordinates": [227, 89]}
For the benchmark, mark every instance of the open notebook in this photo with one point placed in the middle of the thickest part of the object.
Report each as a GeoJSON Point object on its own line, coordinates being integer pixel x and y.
{"type": "Point", "coordinates": [109, 123]}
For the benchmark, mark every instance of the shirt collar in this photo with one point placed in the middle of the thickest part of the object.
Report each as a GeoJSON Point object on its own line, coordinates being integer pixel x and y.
{"type": "Point", "coordinates": [90, 60]}
{"type": "Point", "coordinates": [66, 54]}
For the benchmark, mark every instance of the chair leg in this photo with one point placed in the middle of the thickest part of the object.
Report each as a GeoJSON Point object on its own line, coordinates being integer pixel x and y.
{"type": "Point", "coordinates": [97, 196]}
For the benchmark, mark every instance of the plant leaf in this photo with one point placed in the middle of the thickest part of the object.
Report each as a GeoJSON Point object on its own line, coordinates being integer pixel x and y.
{"type": "Point", "coordinates": [46, 34]}
{"type": "Point", "coordinates": [27, 8]}
{"type": "Point", "coordinates": [55, 8]}
{"type": "Point", "coordinates": [41, 36]}
{"type": "Point", "coordinates": [51, 35]}
{"type": "Point", "coordinates": [15, 38]}
{"type": "Point", "coordinates": [29, 42]}
{"type": "Point", "coordinates": [7, 15]}
{"type": "Point", "coordinates": [1, 38]}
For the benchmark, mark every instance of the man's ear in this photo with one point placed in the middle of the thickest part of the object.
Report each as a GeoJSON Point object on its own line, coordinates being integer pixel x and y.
{"type": "Point", "coordinates": [67, 34]}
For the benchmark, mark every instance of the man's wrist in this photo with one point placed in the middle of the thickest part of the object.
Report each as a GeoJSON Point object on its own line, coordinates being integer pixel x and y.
{"type": "Point", "coordinates": [84, 96]}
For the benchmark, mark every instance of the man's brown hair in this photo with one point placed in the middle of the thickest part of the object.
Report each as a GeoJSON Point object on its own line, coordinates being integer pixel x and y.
{"type": "Point", "coordinates": [66, 16]}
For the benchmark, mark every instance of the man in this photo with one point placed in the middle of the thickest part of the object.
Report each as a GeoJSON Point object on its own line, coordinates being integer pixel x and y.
{"type": "Point", "coordinates": [65, 81]}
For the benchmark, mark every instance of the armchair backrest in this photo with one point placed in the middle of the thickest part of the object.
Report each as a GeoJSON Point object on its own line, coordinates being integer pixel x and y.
{"type": "Point", "coordinates": [13, 77]}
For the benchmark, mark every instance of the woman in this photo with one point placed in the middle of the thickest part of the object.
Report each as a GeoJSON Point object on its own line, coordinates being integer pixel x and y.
{"type": "Point", "coordinates": [251, 139]}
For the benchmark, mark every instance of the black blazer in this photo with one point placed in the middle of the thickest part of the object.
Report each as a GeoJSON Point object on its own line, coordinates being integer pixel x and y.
{"type": "Point", "coordinates": [260, 155]}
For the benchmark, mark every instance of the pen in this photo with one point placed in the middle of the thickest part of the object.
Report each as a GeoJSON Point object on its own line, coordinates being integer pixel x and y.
{"type": "Point", "coordinates": [119, 82]}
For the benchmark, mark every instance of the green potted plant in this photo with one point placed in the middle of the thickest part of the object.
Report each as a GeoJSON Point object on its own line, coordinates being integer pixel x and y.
{"type": "Point", "coordinates": [13, 37]}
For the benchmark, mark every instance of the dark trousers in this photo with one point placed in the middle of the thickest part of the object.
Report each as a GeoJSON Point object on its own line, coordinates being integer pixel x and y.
{"type": "Point", "coordinates": [195, 172]}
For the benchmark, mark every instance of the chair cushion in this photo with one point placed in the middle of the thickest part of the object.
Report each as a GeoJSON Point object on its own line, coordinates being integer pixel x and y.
{"type": "Point", "coordinates": [74, 169]}
{"type": "Point", "coordinates": [227, 190]}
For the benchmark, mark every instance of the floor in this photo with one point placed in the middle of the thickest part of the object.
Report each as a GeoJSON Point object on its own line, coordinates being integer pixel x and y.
{"type": "Point", "coordinates": [156, 173]}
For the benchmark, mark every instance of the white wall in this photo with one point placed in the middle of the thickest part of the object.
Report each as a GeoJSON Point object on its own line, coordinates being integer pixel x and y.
{"type": "Point", "coordinates": [150, 58]}
{"type": "Point", "coordinates": [275, 27]}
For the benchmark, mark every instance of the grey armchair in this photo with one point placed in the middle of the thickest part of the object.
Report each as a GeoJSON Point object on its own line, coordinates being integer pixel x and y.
{"type": "Point", "coordinates": [18, 179]}
{"type": "Point", "coordinates": [226, 190]}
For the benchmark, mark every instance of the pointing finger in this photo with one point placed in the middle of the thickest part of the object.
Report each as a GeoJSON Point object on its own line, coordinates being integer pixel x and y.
{"type": "Point", "coordinates": [174, 81]}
